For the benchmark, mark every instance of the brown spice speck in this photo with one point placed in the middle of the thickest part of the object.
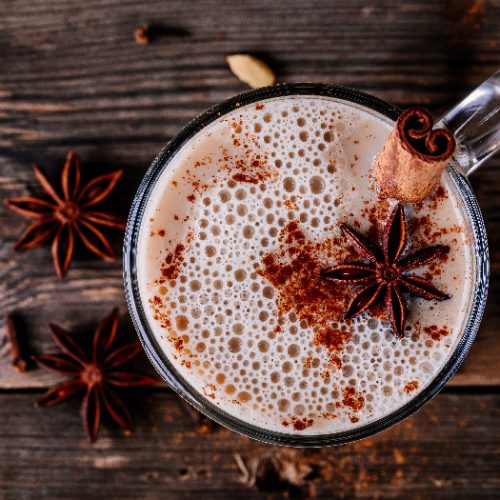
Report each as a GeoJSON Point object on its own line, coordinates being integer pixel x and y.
{"type": "Point", "coordinates": [294, 270]}
{"type": "Point", "coordinates": [299, 424]}
{"type": "Point", "coordinates": [329, 415]}
{"type": "Point", "coordinates": [171, 267]}
{"type": "Point", "coordinates": [335, 361]}
{"type": "Point", "coordinates": [142, 34]}
{"type": "Point", "coordinates": [411, 386]}
{"type": "Point", "coordinates": [246, 178]}
{"type": "Point", "coordinates": [209, 390]}
{"type": "Point", "coordinates": [435, 332]}
{"type": "Point", "coordinates": [353, 399]}
{"type": "Point", "coordinates": [178, 343]}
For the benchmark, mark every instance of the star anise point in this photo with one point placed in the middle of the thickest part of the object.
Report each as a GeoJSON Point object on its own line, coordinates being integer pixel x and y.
{"type": "Point", "coordinates": [383, 272]}
{"type": "Point", "coordinates": [66, 214]}
{"type": "Point", "coordinates": [97, 373]}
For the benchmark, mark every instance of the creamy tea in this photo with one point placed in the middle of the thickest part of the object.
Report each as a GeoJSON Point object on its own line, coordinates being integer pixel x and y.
{"type": "Point", "coordinates": [239, 226]}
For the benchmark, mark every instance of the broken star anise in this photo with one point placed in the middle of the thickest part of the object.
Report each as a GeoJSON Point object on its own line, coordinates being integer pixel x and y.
{"type": "Point", "coordinates": [97, 374]}
{"type": "Point", "coordinates": [384, 272]}
{"type": "Point", "coordinates": [60, 217]}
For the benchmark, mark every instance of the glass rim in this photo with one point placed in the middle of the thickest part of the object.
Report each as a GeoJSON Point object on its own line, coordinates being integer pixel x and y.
{"type": "Point", "coordinates": [182, 387]}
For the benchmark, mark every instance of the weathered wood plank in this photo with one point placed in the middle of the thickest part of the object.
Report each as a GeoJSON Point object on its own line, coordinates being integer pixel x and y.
{"type": "Point", "coordinates": [79, 79]}
{"type": "Point", "coordinates": [449, 449]}
{"type": "Point", "coordinates": [72, 76]}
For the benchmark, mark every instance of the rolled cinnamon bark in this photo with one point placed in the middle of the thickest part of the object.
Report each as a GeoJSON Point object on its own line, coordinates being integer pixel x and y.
{"type": "Point", "coordinates": [413, 157]}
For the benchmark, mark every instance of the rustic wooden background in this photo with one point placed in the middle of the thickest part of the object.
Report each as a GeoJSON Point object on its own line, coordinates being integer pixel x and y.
{"type": "Point", "coordinates": [72, 77]}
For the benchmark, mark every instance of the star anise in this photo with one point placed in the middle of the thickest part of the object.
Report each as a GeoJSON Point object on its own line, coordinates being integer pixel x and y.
{"type": "Point", "coordinates": [60, 217]}
{"type": "Point", "coordinates": [384, 272]}
{"type": "Point", "coordinates": [97, 374]}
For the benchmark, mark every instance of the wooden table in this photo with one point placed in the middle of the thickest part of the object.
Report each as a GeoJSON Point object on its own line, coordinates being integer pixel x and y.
{"type": "Point", "coordinates": [72, 77]}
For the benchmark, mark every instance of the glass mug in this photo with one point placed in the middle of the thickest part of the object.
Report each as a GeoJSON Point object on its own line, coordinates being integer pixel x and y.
{"type": "Point", "coordinates": [475, 123]}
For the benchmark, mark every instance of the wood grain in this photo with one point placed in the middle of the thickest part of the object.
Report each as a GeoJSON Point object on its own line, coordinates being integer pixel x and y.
{"type": "Point", "coordinates": [72, 76]}
{"type": "Point", "coordinates": [444, 451]}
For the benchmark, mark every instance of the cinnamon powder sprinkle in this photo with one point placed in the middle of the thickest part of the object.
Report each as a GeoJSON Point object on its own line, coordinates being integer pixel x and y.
{"type": "Point", "coordinates": [333, 339]}
{"type": "Point", "coordinates": [290, 205]}
{"type": "Point", "coordinates": [411, 386]}
{"type": "Point", "coordinates": [171, 267]}
{"type": "Point", "coordinates": [436, 333]}
{"type": "Point", "coordinates": [178, 343]}
{"type": "Point", "coordinates": [253, 170]}
{"type": "Point", "coordinates": [308, 363]}
{"type": "Point", "coordinates": [299, 424]}
{"type": "Point", "coordinates": [209, 391]}
{"type": "Point", "coordinates": [247, 178]}
{"type": "Point", "coordinates": [353, 399]}
{"type": "Point", "coordinates": [336, 361]}
{"type": "Point", "coordinates": [294, 271]}
{"type": "Point", "coordinates": [250, 167]}
{"type": "Point", "coordinates": [424, 232]}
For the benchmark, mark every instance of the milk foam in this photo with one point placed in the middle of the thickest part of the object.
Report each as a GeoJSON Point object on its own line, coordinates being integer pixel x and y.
{"type": "Point", "coordinates": [216, 317]}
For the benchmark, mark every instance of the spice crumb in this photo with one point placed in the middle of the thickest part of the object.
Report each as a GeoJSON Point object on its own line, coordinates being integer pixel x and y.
{"type": "Point", "coordinates": [353, 399]}
{"type": "Point", "coordinates": [142, 34]}
{"type": "Point", "coordinates": [299, 424]}
{"type": "Point", "coordinates": [411, 386]}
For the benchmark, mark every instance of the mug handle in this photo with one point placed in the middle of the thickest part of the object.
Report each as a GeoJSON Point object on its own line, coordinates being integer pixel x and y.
{"type": "Point", "coordinates": [475, 123]}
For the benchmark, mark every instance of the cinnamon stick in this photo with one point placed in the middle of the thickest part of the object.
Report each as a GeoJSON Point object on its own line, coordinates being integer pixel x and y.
{"type": "Point", "coordinates": [413, 157]}
{"type": "Point", "coordinates": [19, 357]}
